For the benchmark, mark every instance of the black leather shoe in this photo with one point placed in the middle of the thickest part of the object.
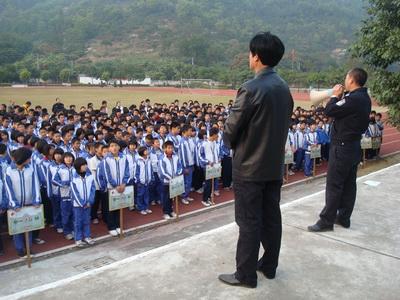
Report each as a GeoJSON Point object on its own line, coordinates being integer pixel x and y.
{"type": "Point", "coordinates": [317, 227]}
{"type": "Point", "coordinates": [230, 279]}
{"type": "Point", "coordinates": [270, 274]}
{"type": "Point", "coordinates": [345, 224]}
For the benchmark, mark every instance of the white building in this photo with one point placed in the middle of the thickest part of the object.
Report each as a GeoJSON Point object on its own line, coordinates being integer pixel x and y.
{"type": "Point", "coordinates": [83, 79]}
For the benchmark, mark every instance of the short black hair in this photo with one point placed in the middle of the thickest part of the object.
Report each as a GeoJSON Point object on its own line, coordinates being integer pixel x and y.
{"type": "Point", "coordinates": [268, 47]}
{"type": "Point", "coordinates": [214, 131]}
{"type": "Point", "coordinates": [78, 163]}
{"type": "Point", "coordinates": [142, 150]}
{"type": "Point", "coordinates": [168, 143]}
{"type": "Point", "coordinates": [359, 75]}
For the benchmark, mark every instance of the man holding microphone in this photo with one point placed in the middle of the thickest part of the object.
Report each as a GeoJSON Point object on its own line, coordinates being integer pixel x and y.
{"type": "Point", "coordinates": [351, 119]}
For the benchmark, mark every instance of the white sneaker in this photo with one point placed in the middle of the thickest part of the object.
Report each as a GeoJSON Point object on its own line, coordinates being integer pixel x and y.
{"type": "Point", "coordinates": [69, 236]}
{"type": "Point", "coordinates": [118, 230]}
{"type": "Point", "coordinates": [210, 203]}
{"type": "Point", "coordinates": [95, 221]}
{"type": "Point", "coordinates": [89, 241]}
{"type": "Point", "coordinates": [143, 212]}
{"type": "Point", "coordinates": [60, 230]}
{"type": "Point", "coordinates": [189, 199]}
{"type": "Point", "coordinates": [200, 191]}
{"type": "Point", "coordinates": [205, 203]}
{"type": "Point", "coordinates": [216, 193]}
{"type": "Point", "coordinates": [113, 233]}
{"type": "Point", "coordinates": [185, 201]}
{"type": "Point", "coordinates": [80, 244]}
{"type": "Point", "coordinates": [153, 203]}
{"type": "Point", "coordinates": [166, 216]}
{"type": "Point", "coordinates": [173, 215]}
{"type": "Point", "coordinates": [149, 211]}
{"type": "Point", "coordinates": [131, 208]}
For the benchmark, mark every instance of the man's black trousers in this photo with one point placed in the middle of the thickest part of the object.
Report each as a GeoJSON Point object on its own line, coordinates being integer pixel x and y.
{"type": "Point", "coordinates": [258, 215]}
{"type": "Point", "coordinates": [341, 187]}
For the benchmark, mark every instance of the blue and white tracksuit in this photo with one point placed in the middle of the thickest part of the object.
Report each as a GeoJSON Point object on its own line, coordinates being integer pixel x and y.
{"type": "Point", "coordinates": [299, 138]}
{"type": "Point", "coordinates": [156, 187]}
{"type": "Point", "coordinates": [144, 178]}
{"type": "Point", "coordinates": [226, 155]}
{"type": "Point", "coordinates": [208, 154]}
{"type": "Point", "coordinates": [53, 192]}
{"type": "Point", "coordinates": [22, 188]}
{"type": "Point", "coordinates": [112, 172]}
{"type": "Point", "coordinates": [176, 139]}
{"type": "Point", "coordinates": [186, 152]}
{"type": "Point", "coordinates": [82, 191]}
{"type": "Point", "coordinates": [168, 168]}
{"type": "Point", "coordinates": [62, 179]}
{"type": "Point", "coordinates": [310, 139]}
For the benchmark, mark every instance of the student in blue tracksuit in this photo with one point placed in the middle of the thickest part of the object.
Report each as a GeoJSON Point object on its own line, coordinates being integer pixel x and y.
{"type": "Point", "coordinates": [226, 162]}
{"type": "Point", "coordinates": [102, 184]}
{"type": "Point", "coordinates": [82, 191]}
{"type": "Point", "coordinates": [144, 179]}
{"type": "Point", "coordinates": [22, 188]}
{"type": "Point", "coordinates": [299, 146]}
{"type": "Point", "coordinates": [3, 198]}
{"type": "Point", "coordinates": [310, 140]}
{"type": "Point", "coordinates": [53, 191]}
{"type": "Point", "coordinates": [323, 139]}
{"type": "Point", "coordinates": [115, 172]}
{"type": "Point", "coordinates": [208, 154]}
{"type": "Point", "coordinates": [131, 156]}
{"type": "Point", "coordinates": [174, 136]}
{"type": "Point", "coordinates": [186, 155]}
{"type": "Point", "coordinates": [157, 187]}
{"type": "Point", "coordinates": [198, 173]}
{"type": "Point", "coordinates": [169, 167]}
{"type": "Point", "coordinates": [62, 179]}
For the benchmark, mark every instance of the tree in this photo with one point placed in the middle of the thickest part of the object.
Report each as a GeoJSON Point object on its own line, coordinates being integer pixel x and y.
{"type": "Point", "coordinates": [105, 76]}
{"type": "Point", "coordinates": [379, 47]}
{"type": "Point", "coordinates": [45, 75]}
{"type": "Point", "coordinates": [25, 75]}
{"type": "Point", "coordinates": [65, 75]}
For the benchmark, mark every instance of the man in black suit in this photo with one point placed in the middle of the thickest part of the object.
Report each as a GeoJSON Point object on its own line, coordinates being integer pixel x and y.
{"type": "Point", "coordinates": [256, 130]}
{"type": "Point", "coordinates": [351, 119]}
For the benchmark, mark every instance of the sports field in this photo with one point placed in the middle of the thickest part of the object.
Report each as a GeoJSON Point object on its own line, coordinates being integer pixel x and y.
{"type": "Point", "coordinates": [45, 96]}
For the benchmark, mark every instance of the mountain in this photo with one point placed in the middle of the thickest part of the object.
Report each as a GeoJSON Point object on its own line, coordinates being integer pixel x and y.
{"type": "Point", "coordinates": [85, 34]}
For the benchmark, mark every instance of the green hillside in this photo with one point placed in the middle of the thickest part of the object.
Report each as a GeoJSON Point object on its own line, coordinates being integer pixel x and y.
{"type": "Point", "coordinates": [162, 39]}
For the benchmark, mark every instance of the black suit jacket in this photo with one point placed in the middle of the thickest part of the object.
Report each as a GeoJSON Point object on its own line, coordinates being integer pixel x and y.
{"type": "Point", "coordinates": [257, 127]}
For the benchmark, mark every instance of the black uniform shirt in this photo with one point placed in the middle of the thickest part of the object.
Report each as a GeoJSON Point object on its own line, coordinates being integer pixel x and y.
{"type": "Point", "coordinates": [351, 115]}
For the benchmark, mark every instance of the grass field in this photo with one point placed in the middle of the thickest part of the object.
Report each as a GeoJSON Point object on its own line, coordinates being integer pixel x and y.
{"type": "Point", "coordinates": [45, 96]}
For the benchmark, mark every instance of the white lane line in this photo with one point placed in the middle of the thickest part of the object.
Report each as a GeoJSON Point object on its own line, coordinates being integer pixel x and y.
{"type": "Point", "coordinates": [52, 285]}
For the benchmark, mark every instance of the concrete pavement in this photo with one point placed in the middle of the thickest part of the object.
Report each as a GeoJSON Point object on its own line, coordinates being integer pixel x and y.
{"type": "Point", "coordinates": [358, 263]}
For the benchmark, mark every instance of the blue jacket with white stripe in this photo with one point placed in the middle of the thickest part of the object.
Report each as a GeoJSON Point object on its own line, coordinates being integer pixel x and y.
{"type": "Point", "coordinates": [169, 168]}
{"type": "Point", "coordinates": [22, 186]}
{"type": "Point", "coordinates": [82, 189]}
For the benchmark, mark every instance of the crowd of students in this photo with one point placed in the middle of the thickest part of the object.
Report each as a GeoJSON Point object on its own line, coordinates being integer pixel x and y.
{"type": "Point", "coordinates": [69, 159]}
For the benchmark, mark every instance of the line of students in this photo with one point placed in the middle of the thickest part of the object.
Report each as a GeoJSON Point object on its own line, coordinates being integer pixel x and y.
{"type": "Point", "coordinates": [72, 187]}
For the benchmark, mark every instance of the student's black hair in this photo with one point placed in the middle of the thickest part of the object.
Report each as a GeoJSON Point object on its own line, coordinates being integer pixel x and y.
{"type": "Point", "coordinates": [113, 141]}
{"type": "Point", "coordinates": [40, 145]}
{"type": "Point", "coordinates": [141, 150]}
{"type": "Point", "coordinates": [21, 155]}
{"type": "Point", "coordinates": [174, 125]}
{"type": "Point", "coordinates": [75, 139]}
{"type": "Point", "coordinates": [68, 154]}
{"type": "Point", "coordinates": [168, 143]}
{"type": "Point", "coordinates": [359, 75]}
{"type": "Point", "coordinates": [149, 138]}
{"type": "Point", "coordinates": [33, 141]}
{"type": "Point", "coordinates": [268, 47]}
{"type": "Point", "coordinates": [201, 134]}
{"type": "Point", "coordinates": [59, 151]}
{"type": "Point", "coordinates": [185, 128]}
{"type": "Point", "coordinates": [3, 149]}
{"type": "Point", "coordinates": [213, 131]}
{"type": "Point", "coordinates": [78, 163]}
{"type": "Point", "coordinates": [98, 145]}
